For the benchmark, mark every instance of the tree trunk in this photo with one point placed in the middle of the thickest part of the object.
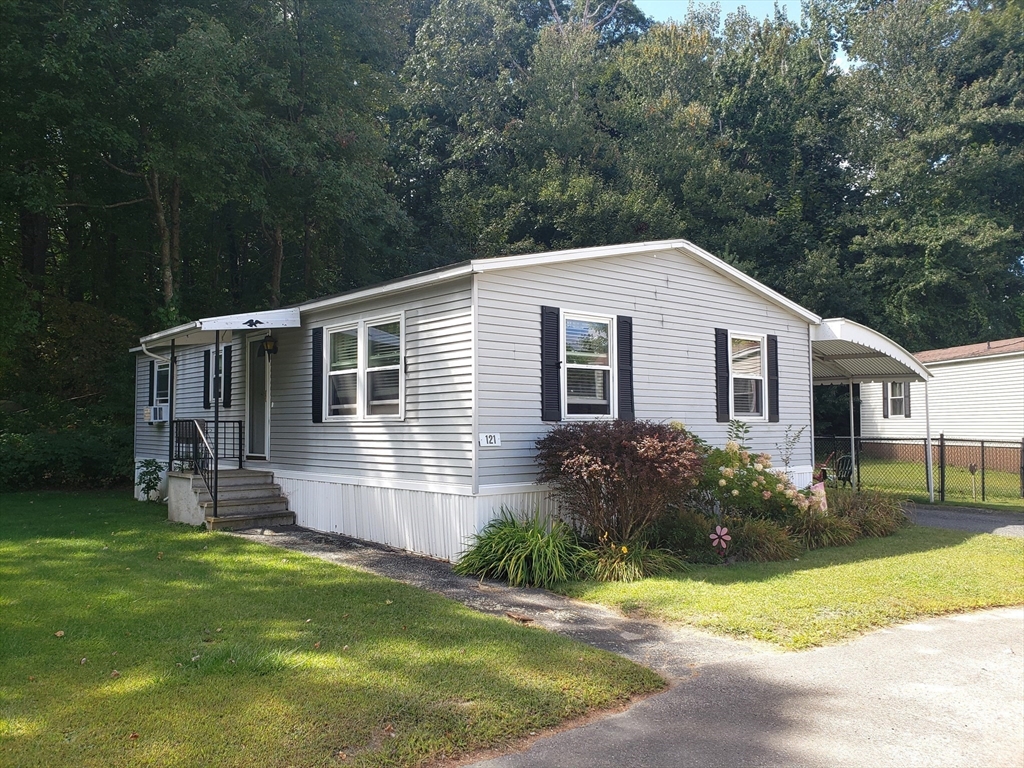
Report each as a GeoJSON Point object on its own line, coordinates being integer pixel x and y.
{"type": "Point", "coordinates": [275, 272]}
{"type": "Point", "coordinates": [35, 242]}
{"type": "Point", "coordinates": [176, 233]}
{"type": "Point", "coordinates": [307, 255]}
{"type": "Point", "coordinates": [164, 231]}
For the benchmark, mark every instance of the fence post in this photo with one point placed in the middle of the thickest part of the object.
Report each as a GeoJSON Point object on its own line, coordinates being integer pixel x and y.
{"type": "Point", "coordinates": [1022, 467]}
{"type": "Point", "coordinates": [942, 466]}
{"type": "Point", "coordinates": [982, 470]}
{"type": "Point", "coordinates": [241, 442]}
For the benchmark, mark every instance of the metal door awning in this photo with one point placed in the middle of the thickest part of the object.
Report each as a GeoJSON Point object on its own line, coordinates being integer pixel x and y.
{"type": "Point", "coordinates": [204, 331]}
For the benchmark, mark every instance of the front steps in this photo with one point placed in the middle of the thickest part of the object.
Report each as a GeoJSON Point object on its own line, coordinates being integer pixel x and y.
{"type": "Point", "coordinates": [247, 498]}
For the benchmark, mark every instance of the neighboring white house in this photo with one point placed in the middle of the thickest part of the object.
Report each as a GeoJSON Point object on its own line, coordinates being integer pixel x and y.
{"type": "Point", "coordinates": [406, 413]}
{"type": "Point", "coordinates": [976, 393]}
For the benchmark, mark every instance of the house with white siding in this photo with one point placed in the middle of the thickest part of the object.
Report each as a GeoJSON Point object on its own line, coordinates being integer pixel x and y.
{"type": "Point", "coordinates": [407, 413]}
{"type": "Point", "coordinates": [976, 393]}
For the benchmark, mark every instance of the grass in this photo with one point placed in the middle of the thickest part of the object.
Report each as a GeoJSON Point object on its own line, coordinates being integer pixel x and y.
{"type": "Point", "coordinates": [181, 647]}
{"type": "Point", "coordinates": [907, 478]}
{"type": "Point", "coordinates": [827, 595]}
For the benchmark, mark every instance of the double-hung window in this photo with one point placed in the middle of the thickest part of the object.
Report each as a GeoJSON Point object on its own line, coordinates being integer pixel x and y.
{"type": "Point", "coordinates": [588, 381]}
{"type": "Point", "coordinates": [747, 374]}
{"type": "Point", "coordinates": [162, 384]}
{"type": "Point", "coordinates": [364, 371]}
{"type": "Point", "coordinates": [897, 398]}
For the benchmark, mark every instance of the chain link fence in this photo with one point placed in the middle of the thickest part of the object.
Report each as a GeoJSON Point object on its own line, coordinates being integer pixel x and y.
{"type": "Point", "coordinates": [963, 471]}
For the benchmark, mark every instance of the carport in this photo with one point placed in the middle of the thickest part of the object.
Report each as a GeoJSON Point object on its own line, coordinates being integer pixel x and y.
{"type": "Point", "coordinates": [845, 352]}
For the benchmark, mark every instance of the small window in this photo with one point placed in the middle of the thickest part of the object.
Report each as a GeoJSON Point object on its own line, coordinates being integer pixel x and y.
{"type": "Point", "coordinates": [215, 394]}
{"type": "Point", "coordinates": [588, 366]}
{"type": "Point", "coordinates": [343, 372]}
{"type": "Point", "coordinates": [897, 399]}
{"type": "Point", "coordinates": [364, 374]}
{"type": "Point", "coordinates": [162, 385]}
{"type": "Point", "coordinates": [746, 368]}
{"type": "Point", "coordinates": [383, 368]}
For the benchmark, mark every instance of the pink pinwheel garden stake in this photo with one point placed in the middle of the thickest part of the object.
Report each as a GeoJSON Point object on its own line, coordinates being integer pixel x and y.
{"type": "Point", "coordinates": [720, 538]}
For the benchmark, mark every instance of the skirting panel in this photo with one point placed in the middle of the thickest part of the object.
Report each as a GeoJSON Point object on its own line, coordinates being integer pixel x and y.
{"type": "Point", "coordinates": [426, 522]}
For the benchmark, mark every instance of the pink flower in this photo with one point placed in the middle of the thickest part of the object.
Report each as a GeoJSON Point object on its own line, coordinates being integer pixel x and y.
{"type": "Point", "coordinates": [766, 495]}
{"type": "Point", "coordinates": [721, 537]}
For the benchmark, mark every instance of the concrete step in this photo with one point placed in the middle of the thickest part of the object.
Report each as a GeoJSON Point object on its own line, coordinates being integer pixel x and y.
{"type": "Point", "coordinates": [249, 491]}
{"type": "Point", "coordinates": [227, 478]}
{"type": "Point", "coordinates": [233, 507]}
{"type": "Point", "coordinates": [237, 522]}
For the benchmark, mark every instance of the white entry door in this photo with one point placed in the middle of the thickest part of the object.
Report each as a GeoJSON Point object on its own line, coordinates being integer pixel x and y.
{"type": "Point", "coordinates": [257, 400]}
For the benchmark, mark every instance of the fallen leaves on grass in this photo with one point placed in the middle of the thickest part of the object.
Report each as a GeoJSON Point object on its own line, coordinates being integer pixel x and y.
{"type": "Point", "coordinates": [59, 633]}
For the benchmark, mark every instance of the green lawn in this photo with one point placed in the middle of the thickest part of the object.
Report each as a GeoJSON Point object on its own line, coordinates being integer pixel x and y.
{"type": "Point", "coordinates": [830, 594]}
{"type": "Point", "coordinates": [129, 640]}
{"type": "Point", "coordinates": [907, 478]}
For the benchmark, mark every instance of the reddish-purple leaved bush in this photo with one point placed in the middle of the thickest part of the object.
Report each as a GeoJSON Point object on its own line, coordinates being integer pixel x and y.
{"type": "Point", "coordinates": [614, 478]}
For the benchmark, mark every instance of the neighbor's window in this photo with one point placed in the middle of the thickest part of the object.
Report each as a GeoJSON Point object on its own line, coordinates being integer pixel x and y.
{"type": "Point", "coordinates": [588, 366]}
{"type": "Point", "coordinates": [162, 387]}
{"type": "Point", "coordinates": [897, 399]}
{"type": "Point", "coordinates": [343, 372]}
{"type": "Point", "coordinates": [746, 366]}
{"type": "Point", "coordinates": [364, 369]}
{"type": "Point", "coordinates": [383, 367]}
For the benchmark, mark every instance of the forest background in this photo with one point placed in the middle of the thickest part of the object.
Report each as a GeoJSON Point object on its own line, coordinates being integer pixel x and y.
{"type": "Point", "coordinates": [161, 162]}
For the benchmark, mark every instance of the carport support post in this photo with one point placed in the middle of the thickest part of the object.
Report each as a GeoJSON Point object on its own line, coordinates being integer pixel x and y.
{"type": "Point", "coordinates": [216, 419]}
{"type": "Point", "coordinates": [928, 445]}
{"type": "Point", "coordinates": [854, 464]}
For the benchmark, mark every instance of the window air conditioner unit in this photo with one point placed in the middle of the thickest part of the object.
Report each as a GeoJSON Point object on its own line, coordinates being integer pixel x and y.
{"type": "Point", "coordinates": [155, 413]}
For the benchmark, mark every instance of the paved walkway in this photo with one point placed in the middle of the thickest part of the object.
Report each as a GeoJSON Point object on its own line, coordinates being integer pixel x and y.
{"type": "Point", "coordinates": [942, 692]}
{"type": "Point", "coordinates": [968, 519]}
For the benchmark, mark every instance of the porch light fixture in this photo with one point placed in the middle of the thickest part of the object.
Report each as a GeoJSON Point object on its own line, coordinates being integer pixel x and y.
{"type": "Point", "coordinates": [269, 345]}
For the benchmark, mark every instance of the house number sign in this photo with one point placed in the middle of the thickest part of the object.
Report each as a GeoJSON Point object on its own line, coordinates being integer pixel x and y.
{"type": "Point", "coordinates": [490, 439]}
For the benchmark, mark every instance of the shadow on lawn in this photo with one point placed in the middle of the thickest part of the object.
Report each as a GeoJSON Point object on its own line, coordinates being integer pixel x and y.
{"type": "Point", "coordinates": [224, 646]}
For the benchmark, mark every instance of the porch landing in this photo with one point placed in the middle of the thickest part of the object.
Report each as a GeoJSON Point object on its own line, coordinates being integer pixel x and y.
{"type": "Point", "coordinates": [247, 498]}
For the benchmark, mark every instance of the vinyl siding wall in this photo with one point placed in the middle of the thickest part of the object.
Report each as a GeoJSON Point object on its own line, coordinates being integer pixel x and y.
{"type": "Point", "coordinates": [675, 302]}
{"type": "Point", "coordinates": [979, 399]}
{"type": "Point", "coordinates": [433, 444]}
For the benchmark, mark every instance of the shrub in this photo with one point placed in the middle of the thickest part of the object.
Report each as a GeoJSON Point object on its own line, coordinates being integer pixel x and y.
{"type": "Point", "coordinates": [614, 479]}
{"type": "Point", "coordinates": [873, 513]}
{"type": "Point", "coordinates": [816, 528]}
{"type": "Point", "coordinates": [633, 561]}
{"type": "Point", "coordinates": [760, 540]}
{"type": "Point", "coordinates": [525, 552]}
{"type": "Point", "coordinates": [687, 532]}
{"type": "Point", "coordinates": [150, 475]}
{"type": "Point", "coordinates": [744, 483]}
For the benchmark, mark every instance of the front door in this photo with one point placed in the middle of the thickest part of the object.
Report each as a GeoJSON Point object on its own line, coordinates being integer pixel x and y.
{"type": "Point", "coordinates": [257, 401]}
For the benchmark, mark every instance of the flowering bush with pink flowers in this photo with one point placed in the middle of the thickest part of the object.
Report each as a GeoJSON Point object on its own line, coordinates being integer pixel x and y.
{"type": "Point", "coordinates": [744, 484]}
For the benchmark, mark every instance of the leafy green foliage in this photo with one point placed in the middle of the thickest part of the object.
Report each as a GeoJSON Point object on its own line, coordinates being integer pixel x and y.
{"type": "Point", "coordinates": [815, 529]}
{"type": "Point", "coordinates": [872, 512]}
{"type": "Point", "coordinates": [759, 540]}
{"type": "Point", "coordinates": [613, 479]}
{"type": "Point", "coordinates": [525, 551]}
{"type": "Point", "coordinates": [150, 473]}
{"type": "Point", "coordinates": [687, 532]}
{"type": "Point", "coordinates": [633, 560]}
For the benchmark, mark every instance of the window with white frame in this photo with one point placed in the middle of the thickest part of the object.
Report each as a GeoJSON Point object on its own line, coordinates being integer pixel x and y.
{"type": "Point", "coordinates": [588, 379]}
{"type": "Point", "coordinates": [162, 384]}
{"type": "Point", "coordinates": [364, 369]}
{"type": "Point", "coordinates": [747, 374]}
{"type": "Point", "coordinates": [897, 398]}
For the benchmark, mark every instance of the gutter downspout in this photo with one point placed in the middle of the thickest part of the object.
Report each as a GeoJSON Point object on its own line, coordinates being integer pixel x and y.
{"type": "Point", "coordinates": [154, 355]}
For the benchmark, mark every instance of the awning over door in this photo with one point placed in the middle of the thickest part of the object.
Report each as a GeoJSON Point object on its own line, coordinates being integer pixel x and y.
{"type": "Point", "coordinates": [204, 331]}
{"type": "Point", "coordinates": [845, 352]}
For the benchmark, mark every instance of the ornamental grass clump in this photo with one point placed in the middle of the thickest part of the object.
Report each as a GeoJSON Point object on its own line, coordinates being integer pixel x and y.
{"type": "Point", "coordinates": [526, 552]}
{"type": "Point", "coordinates": [613, 479]}
{"type": "Point", "coordinates": [633, 561]}
{"type": "Point", "coordinates": [874, 514]}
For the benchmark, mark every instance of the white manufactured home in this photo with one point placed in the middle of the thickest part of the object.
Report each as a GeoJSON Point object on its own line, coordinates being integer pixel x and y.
{"type": "Point", "coordinates": [407, 413]}
{"type": "Point", "coordinates": [976, 393]}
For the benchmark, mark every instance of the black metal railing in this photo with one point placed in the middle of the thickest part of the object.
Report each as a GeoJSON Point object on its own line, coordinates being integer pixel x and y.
{"type": "Point", "coordinates": [230, 441]}
{"type": "Point", "coordinates": [962, 470]}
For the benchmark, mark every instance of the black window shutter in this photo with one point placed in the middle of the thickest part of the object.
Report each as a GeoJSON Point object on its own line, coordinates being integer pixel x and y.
{"type": "Point", "coordinates": [206, 380]}
{"type": "Point", "coordinates": [317, 376]}
{"type": "Point", "coordinates": [550, 380]}
{"type": "Point", "coordinates": [773, 378]}
{"type": "Point", "coordinates": [722, 374]}
{"type": "Point", "coordinates": [885, 399]}
{"type": "Point", "coordinates": [624, 343]}
{"type": "Point", "coordinates": [225, 383]}
{"type": "Point", "coordinates": [152, 380]}
{"type": "Point", "coordinates": [906, 399]}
